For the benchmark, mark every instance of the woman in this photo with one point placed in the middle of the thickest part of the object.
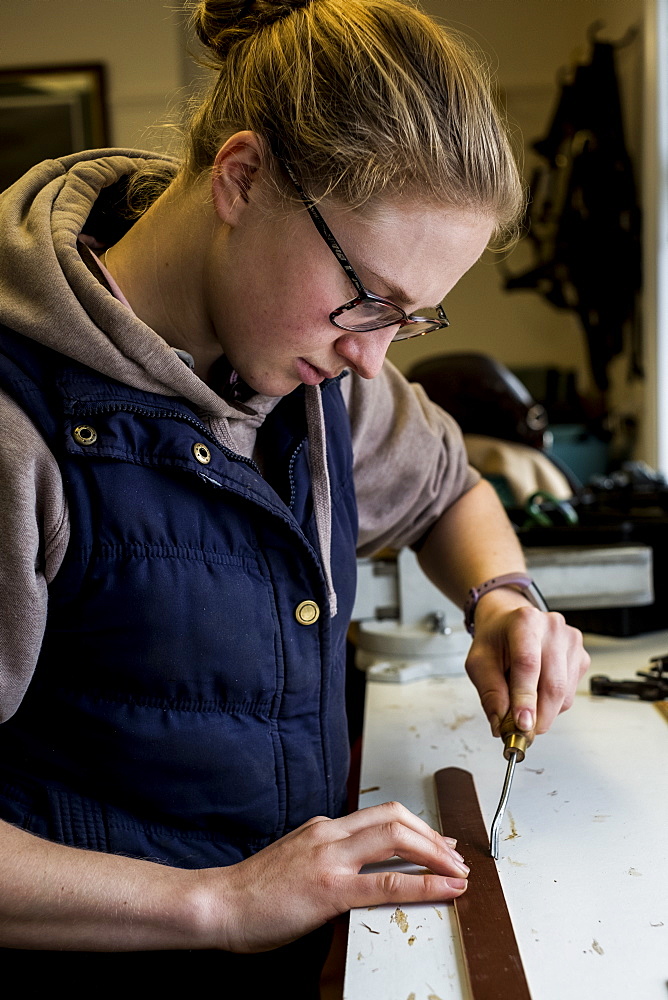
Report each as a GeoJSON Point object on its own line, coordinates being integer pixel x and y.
{"type": "Point", "coordinates": [201, 434]}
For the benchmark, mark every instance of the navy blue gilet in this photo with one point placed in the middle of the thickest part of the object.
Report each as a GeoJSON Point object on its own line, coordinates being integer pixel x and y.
{"type": "Point", "coordinates": [179, 711]}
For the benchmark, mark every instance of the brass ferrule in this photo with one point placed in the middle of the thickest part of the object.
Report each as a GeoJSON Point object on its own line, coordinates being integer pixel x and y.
{"type": "Point", "coordinates": [516, 744]}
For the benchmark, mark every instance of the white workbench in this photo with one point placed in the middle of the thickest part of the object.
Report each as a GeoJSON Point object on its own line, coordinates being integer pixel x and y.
{"type": "Point", "coordinates": [584, 846]}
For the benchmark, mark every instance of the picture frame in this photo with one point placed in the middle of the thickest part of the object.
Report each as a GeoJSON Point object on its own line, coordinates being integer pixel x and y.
{"type": "Point", "coordinates": [50, 111]}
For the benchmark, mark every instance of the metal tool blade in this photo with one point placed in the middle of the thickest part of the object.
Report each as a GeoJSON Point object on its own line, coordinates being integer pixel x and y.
{"type": "Point", "coordinates": [501, 808]}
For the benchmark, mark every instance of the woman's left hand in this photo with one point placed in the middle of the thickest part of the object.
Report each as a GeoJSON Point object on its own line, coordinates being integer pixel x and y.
{"type": "Point", "coordinates": [524, 659]}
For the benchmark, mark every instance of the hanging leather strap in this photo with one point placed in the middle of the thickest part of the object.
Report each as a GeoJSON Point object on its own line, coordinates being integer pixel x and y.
{"type": "Point", "coordinates": [491, 956]}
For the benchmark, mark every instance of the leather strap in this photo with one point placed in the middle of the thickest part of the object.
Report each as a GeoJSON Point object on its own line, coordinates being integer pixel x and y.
{"type": "Point", "coordinates": [491, 956]}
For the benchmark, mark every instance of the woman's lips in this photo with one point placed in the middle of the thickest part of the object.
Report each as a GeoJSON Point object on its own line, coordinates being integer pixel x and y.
{"type": "Point", "coordinates": [309, 374]}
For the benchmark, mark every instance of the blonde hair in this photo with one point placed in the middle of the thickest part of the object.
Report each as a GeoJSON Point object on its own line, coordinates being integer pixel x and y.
{"type": "Point", "coordinates": [364, 98]}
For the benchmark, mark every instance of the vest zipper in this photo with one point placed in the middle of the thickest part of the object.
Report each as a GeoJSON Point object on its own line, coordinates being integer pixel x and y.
{"type": "Point", "coordinates": [171, 414]}
{"type": "Point", "coordinates": [291, 468]}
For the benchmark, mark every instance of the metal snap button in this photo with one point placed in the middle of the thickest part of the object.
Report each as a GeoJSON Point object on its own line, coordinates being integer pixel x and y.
{"type": "Point", "coordinates": [307, 613]}
{"type": "Point", "coordinates": [84, 434]}
{"type": "Point", "coordinates": [201, 453]}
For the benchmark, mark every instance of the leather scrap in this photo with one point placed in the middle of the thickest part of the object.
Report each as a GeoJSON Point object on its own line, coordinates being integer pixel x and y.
{"type": "Point", "coordinates": [491, 955]}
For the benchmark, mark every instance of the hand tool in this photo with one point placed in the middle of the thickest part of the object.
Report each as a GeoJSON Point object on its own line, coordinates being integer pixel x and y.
{"type": "Point", "coordinates": [515, 745]}
{"type": "Point", "coordinates": [653, 686]}
{"type": "Point", "coordinates": [644, 690]}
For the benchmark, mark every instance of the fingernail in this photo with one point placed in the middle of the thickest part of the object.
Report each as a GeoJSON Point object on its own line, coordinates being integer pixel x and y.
{"type": "Point", "coordinates": [457, 883]}
{"type": "Point", "coordinates": [495, 723]}
{"type": "Point", "coordinates": [525, 720]}
{"type": "Point", "coordinates": [458, 856]}
{"type": "Point", "coordinates": [450, 841]}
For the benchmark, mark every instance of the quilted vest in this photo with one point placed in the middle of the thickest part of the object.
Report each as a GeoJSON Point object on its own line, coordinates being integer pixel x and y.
{"type": "Point", "coordinates": [186, 707]}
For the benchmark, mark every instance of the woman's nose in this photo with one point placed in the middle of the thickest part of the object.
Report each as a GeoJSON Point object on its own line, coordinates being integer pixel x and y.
{"type": "Point", "coordinates": [365, 352]}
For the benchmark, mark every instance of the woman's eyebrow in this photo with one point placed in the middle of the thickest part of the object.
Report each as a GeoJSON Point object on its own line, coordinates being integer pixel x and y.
{"type": "Point", "coordinates": [394, 292]}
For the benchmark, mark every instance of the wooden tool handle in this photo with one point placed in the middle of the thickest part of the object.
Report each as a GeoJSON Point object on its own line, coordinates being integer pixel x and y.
{"type": "Point", "coordinates": [515, 741]}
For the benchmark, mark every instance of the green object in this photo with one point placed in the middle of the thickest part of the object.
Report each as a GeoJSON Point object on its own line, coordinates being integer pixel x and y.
{"type": "Point", "coordinates": [561, 512]}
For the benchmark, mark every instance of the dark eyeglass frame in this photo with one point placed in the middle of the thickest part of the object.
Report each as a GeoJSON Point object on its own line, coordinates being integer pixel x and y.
{"type": "Point", "coordinates": [404, 319]}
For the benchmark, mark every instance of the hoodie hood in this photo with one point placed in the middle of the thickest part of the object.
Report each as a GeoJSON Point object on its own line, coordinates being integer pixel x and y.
{"type": "Point", "coordinates": [49, 294]}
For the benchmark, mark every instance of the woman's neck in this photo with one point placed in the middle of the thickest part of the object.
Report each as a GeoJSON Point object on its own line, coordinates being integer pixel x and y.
{"type": "Point", "coordinates": [159, 266]}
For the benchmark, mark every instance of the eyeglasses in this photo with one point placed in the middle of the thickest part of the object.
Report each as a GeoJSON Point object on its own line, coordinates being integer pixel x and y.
{"type": "Point", "coordinates": [368, 311]}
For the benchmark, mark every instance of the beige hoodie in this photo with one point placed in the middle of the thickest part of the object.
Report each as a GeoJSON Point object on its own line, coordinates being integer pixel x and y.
{"type": "Point", "coordinates": [409, 459]}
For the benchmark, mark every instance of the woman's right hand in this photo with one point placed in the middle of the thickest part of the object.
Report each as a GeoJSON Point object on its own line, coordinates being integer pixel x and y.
{"type": "Point", "coordinates": [313, 874]}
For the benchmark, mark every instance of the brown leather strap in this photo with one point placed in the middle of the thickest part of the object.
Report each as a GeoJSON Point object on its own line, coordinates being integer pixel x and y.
{"type": "Point", "coordinates": [491, 955]}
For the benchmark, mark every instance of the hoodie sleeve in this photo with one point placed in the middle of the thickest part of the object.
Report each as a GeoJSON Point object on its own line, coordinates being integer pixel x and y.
{"type": "Point", "coordinates": [34, 530]}
{"type": "Point", "coordinates": [410, 462]}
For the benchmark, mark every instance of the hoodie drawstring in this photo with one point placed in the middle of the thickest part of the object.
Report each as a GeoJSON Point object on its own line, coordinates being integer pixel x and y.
{"type": "Point", "coordinates": [322, 500]}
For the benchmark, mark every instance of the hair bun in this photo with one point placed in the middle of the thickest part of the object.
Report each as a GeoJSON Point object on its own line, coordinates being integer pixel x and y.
{"type": "Point", "coordinates": [221, 23]}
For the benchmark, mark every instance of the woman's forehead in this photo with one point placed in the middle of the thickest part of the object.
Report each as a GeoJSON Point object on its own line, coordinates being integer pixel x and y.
{"type": "Point", "coordinates": [416, 250]}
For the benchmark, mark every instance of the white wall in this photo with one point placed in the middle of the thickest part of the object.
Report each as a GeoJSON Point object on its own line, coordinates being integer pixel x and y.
{"type": "Point", "coordinates": [656, 230]}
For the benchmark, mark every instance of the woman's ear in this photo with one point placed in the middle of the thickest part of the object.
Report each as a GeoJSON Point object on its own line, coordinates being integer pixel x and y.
{"type": "Point", "coordinates": [235, 170]}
